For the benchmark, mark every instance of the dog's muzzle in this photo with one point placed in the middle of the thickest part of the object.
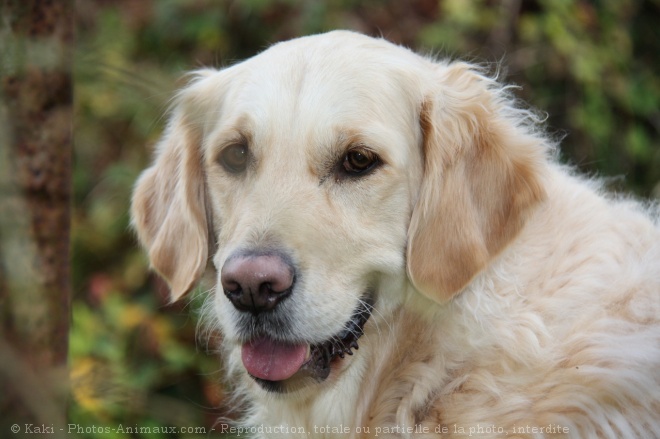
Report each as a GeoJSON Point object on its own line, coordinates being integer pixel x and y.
{"type": "Point", "coordinates": [257, 283]}
{"type": "Point", "coordinates": [283, 367]}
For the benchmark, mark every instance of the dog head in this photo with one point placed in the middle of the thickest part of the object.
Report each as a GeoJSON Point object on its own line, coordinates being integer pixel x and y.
{"type": "Point", "coordinates": [323, 176]}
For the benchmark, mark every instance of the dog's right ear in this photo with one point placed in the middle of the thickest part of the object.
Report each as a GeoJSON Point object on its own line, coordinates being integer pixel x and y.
{"type": "Point", "coordinates": [483, 174]}
{"type": "Point", "coordinates": [168, 208]}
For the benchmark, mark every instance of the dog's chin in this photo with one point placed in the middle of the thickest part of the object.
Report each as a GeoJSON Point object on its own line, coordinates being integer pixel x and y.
{"type": "Point", "coordinates": [321, 358]}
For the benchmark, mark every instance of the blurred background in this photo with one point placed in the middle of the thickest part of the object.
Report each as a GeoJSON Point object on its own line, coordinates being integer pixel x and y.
{"type": "Point", "coordinates": [134, 359]}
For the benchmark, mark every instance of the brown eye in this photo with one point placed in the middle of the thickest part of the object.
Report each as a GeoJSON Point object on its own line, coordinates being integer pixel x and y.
{"type": "Point", "coordinates": [234, 158]}
{"type": "Point", "coordinates": [359, 161]}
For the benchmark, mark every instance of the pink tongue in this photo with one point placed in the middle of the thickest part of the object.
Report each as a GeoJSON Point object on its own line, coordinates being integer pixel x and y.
{"type": "Point", "coordinates": [271, 360]}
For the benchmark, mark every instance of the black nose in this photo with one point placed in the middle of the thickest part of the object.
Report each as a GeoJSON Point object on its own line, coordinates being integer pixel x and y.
{"type": "Point", "coordinates": [257, 283]}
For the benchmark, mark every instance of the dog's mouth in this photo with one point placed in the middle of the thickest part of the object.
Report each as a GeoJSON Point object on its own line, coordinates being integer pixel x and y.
{"type": "Point", "coordinates": [284, 367]}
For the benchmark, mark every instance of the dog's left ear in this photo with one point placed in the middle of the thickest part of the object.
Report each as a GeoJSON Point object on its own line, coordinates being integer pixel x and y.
{"type": "Point", "coordinates": [482, 175]}
{"type": "Point", "coordinates": [169, 201]}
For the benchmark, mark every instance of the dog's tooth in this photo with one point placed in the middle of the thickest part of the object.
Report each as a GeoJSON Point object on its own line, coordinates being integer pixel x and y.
{"type": "Point", "coordinates": [308, 355]}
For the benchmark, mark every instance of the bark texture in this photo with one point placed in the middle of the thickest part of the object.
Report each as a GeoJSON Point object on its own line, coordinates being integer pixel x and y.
{"type": "Point", "coordinates": [35, 194]}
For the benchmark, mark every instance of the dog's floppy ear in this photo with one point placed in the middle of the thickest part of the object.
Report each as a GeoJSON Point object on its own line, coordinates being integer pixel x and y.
{"type": "Point", "coordinates": [168, 208]}
{"type": "Point", "coordinates": [482, 174]}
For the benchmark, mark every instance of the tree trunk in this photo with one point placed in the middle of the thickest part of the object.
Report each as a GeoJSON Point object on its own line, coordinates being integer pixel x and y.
{"type": "Point", "coordinates": [35, 176]}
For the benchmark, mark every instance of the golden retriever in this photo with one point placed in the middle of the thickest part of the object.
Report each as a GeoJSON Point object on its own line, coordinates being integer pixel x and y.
{"type": "Point", "coordinates": [350, 193]}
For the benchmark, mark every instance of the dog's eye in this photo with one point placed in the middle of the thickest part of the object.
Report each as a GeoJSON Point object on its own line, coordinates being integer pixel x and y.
{"type": "Point", "coordinates": [359, 161]}
{"type": "Point", "coordinates": [234, 158]}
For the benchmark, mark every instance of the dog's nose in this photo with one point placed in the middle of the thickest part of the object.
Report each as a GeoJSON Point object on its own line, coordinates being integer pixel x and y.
{"type": "Point", "coordinates": [257, 283]}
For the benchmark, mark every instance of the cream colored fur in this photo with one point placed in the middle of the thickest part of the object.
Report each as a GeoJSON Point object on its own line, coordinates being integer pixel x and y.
{"type": "Point", "coordinates": [511, 295]}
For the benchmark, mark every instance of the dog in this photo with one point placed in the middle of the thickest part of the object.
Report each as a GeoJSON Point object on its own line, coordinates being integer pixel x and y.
{"type": "Point", "coordinates": [398, 252]}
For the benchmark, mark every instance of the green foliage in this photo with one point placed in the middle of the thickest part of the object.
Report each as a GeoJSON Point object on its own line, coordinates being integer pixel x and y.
{"type": "Point", "coordinates": [592, 66]}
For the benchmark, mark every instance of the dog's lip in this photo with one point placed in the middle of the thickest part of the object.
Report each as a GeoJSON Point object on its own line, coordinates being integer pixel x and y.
{"type": "Point", "coordinates": [319, 357]}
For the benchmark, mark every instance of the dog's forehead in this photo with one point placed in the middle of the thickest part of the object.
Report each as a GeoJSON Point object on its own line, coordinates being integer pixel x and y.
{"type": "Point", "coordinates": [336, 75]}
{"type": "Point", "coordinates": [319, 87]}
